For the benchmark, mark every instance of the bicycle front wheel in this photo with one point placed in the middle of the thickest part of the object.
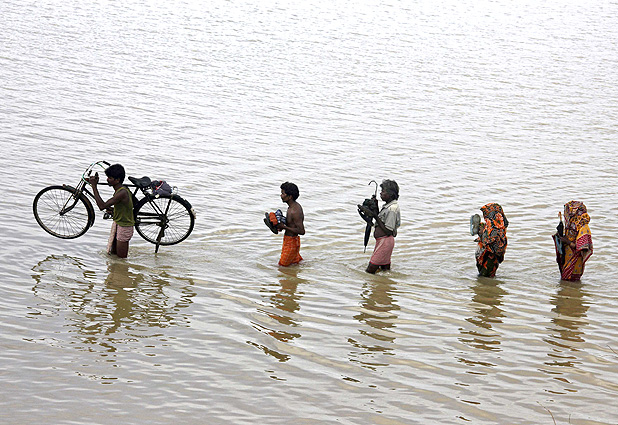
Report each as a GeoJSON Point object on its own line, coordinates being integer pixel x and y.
{"type": "Point", "coordinates": [151, 218]}
{"type": "Point", "coordinates": [62, 212]}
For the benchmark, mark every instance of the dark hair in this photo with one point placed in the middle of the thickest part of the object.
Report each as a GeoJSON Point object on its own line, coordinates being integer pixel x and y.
{"type": "Point", "coordinates": [290, 189]}
{"type": "Point", "coordinates": [115, 171]}
{"type": "Point", "coordinates": [390, 187]}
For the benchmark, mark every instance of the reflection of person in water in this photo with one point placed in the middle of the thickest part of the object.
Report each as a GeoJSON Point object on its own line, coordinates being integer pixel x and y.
{"type": "Point", "coordinates": [486, 303]}
{"type": "Point", "coordinates": [122, 282]}
{"type": "Point", "coordinates": [570, 312]}
{"type": "Point", "coordinates": [285, 300]}
{"type": "Point", "coordinates": [131, 304]}
{"type": "Point", "coordinates": [378, 307]}
{"type": "Point", "coordinates": [138, 298]}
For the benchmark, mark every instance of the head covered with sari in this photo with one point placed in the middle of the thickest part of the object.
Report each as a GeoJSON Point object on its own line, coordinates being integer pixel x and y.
{"type": "Point", "coordinates": [494, 233]}
{"type": "Point", "coordinates": [576, 218]}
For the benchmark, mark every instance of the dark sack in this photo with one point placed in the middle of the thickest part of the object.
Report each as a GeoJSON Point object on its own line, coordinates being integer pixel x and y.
{"type": "Point", "coordinates": [160, 187]}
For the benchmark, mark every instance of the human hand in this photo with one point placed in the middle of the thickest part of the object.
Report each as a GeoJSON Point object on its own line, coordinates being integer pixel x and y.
{"type": "Point", "coordinates": [367, 211]}
{"type": "Point", "coordinates": [94, 180]}
{"type": "Point", "coordinates": [364, 216]}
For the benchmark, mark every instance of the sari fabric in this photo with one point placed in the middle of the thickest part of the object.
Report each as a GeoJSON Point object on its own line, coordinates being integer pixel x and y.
{"type": "Point", "coordinates": [492, 241]}
{"type": "Point", "coordinates": [571, 261]}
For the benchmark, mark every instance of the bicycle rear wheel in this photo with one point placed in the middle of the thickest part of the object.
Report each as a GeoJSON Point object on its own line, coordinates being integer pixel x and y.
{"type": "Point", "coordinates": [62, 212]}
{"type": "Point", "coordinates": [177, 224]}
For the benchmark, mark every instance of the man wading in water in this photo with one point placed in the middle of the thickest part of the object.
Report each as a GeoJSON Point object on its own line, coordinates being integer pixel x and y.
{"type": "Point", "coordinates": [387, 222]}
{"type": "Point", "coordinates": [122, 203]}
{"type": "Point", "coordinates": [290, 252]}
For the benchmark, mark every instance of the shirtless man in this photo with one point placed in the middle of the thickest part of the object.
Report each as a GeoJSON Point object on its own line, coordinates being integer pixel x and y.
{"type": "Point", "coordinates": [290, 252]}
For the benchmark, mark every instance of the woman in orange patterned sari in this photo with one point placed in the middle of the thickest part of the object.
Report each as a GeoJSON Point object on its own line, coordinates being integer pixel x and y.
{"type": "Point", "coordinates": [492, 239]}
{"type": "Point", "coordinates": [574, 247]}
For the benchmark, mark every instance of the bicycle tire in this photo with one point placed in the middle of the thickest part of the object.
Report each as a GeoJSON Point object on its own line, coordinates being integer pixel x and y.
{"type": "Point", "coordinates": [47, 208]}
{"type": "Point", "coordinates": [180, 219]}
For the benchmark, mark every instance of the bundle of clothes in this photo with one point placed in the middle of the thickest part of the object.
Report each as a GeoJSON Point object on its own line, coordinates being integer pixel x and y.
{"type": "Point", "coordinates": [272, 219]}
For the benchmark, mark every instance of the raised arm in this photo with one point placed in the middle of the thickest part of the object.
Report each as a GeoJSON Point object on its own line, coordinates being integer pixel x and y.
{"type": "Point", "coordinates": [120, 196]}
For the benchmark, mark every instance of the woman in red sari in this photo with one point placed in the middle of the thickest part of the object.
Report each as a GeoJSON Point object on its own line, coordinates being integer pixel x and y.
{"type": "Point", "coordinates": [574, 247]}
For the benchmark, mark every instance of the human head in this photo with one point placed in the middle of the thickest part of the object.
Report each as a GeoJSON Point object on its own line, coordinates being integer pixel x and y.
{"type": "Point", "coordinates": [391, 188]}
{"type": "Point", "coordinates": [115, 171]}
{"type": "Point", "coordinates": [494, 216]}
{"type": "Point", "coordinates": [290, 189]}
{"type": "Point", "coordinates": [575, 215]}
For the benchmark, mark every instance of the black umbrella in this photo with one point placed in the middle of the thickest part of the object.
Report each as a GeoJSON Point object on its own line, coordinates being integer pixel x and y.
{"type": "Point", "coordinates": [367, 211]}
{"type": "Point", "coordinates": [560, 226]}
{"type": "Point", "coordinates": [558, 239]}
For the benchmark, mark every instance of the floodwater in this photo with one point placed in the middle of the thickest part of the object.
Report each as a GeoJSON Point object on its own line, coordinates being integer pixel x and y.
{"type": "Point", "coordinates": [462, 102]}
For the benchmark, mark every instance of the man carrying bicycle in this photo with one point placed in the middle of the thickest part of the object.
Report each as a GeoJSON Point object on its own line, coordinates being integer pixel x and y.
{"type": "Point", "coordinates": [122, 203]}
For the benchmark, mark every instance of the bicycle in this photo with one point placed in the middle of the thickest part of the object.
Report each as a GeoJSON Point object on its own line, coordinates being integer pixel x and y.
{"type": "Point", "coordinates": [66, 212]}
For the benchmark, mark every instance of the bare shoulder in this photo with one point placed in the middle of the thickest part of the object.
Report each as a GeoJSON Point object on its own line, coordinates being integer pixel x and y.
{"type": "Point", "coordinates": [296, 209]}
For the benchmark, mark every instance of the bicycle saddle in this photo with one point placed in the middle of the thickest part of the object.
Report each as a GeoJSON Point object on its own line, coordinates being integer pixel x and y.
{"type": "Point", "coordinates": [142, 183]}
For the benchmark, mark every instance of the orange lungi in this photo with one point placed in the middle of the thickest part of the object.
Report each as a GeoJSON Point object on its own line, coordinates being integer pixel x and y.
{"type": "Point", "coordinates": [290, 252]}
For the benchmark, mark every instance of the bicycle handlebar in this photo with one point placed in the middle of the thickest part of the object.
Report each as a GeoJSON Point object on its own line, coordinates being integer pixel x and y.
{"type": "Point", "coordinates": [90, 168]}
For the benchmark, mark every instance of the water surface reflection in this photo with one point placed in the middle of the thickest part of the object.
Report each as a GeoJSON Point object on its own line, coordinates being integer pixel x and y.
{"type": "Point", "coordinates": [284, 299]}
{"type": "Point", "coordinates": [103, 315]}
{"type": "Point", "coordinates": [378, 307]}
{"type": "Point", "coordinates": [486, 302]}
{"type": "Point", "coordinates": [570, 307]}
